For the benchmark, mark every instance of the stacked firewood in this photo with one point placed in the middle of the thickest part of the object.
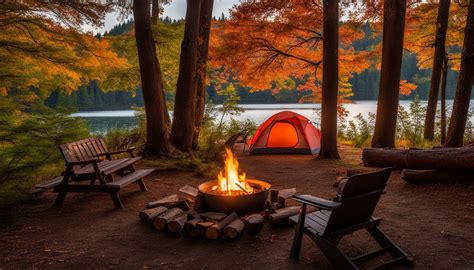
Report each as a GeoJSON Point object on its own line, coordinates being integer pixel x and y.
{"type": "Point", "coordinates": [185, 216]}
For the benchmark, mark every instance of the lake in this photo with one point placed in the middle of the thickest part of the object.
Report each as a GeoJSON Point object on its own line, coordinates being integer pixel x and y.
{"type": "Point", "coordinates": [101, 121]}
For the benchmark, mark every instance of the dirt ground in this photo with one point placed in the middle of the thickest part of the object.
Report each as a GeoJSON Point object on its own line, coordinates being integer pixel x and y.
{"type": "Point", "coordinates": [434, 223]}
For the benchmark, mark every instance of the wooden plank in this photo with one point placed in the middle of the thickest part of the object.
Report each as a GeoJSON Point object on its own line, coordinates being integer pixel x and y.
{"type": "Point", "coordinates": [129, 178]}
{"type": "Point", "coordinates": [189, 190]}
{"type": "Point", "coordinates": [163, 201]}
{"type": "Point", "coordinates": [126, 162]}
{"type": "Point", "coordinates": [51, 183]}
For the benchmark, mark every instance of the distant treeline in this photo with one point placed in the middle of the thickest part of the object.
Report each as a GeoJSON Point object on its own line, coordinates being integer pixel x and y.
{"type": "Point", "coordinates": [364, 85]}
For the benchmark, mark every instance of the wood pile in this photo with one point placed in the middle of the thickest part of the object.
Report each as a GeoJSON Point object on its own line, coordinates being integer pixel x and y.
{"type": "Point", "coordinates": [177, 215]}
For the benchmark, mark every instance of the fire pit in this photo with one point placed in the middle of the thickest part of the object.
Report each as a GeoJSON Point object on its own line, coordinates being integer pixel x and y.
{"type": "Point", "coordinates": [233, 192]}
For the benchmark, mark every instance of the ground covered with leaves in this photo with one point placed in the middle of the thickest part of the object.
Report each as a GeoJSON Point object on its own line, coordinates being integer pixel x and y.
{"type": "Point", "coordinates": [431, 222]}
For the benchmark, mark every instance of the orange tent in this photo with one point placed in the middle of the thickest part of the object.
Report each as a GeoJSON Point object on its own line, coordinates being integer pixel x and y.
{"type": "Point", "coordinates": [286, 133]}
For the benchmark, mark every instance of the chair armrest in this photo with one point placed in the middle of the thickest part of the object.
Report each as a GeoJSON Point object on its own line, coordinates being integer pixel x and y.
{"type": "Point", "coordinates": [83, 162]}
{"type": "Point", "coordinates": [316, 202]}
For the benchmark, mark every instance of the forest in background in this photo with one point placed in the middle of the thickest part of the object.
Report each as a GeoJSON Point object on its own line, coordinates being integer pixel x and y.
{"type": "Point", "coordinates": [364, 84]}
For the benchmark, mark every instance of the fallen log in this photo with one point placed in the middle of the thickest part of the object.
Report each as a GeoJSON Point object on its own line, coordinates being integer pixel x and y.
{"type": "Point", "coordinates": [281, 216]}
{"type": "Point", "coordinates": [254, 224]}
{"type": "Point", "coordinates": [163, 201]}
{"type": "Point", "coordinates": [147, 216]}
{"type": "Point", "coordinates": [162, 220]}
{"type": "Point", "coordinates": [435, 176]}
{"type": "Point", "coordinates": [428, 159]}
{"type": "Point", "coordinates": [214, 231]}
{"type": "Point", "coordinates": [176, 223]}
{"type": "Point", "coordinates": [234, 229]}
{"type": "Point", "coordinates": [284, 194]}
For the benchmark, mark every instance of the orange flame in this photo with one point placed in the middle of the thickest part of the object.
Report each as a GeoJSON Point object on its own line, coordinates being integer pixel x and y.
{"type": "Point", "coordinates": [229, 181]}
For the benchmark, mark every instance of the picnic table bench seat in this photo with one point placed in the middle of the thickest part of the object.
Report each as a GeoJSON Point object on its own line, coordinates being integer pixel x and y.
{"type": "Point", "coordinates": [90, 160]}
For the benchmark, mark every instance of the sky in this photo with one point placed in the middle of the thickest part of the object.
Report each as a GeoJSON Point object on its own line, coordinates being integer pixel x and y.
{"type": "Point", "coordinates": [176, 10]}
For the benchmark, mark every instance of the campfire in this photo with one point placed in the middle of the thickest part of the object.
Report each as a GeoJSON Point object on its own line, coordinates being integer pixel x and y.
{"type": "Point", "coordinates": [229, 181]}
{"type": "Point", "coordinates": [233, 191]}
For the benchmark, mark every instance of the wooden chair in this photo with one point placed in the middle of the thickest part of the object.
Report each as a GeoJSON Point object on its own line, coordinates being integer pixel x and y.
{"type": "Point", "coordinates": [89, 160]}
{"type": "Point", "coordinates": [350, 211]}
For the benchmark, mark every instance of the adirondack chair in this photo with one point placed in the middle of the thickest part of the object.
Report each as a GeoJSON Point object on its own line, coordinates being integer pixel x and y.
{"type": "Point", "coordinates": [350, 211]}
{"type": "Point", "coordinates": [89, 160]}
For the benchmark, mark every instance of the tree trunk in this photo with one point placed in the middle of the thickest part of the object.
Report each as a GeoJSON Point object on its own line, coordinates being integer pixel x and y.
{"type": "Point", "coordinates": [444, 79]}
{"type": "Point", "coordinates": [457, 124]}
{"type": "Point", "coordinates": [434, 176]}
{"type": "Point", "coordinates": [182, 129]}
{"type": "Point", "coordinates": [330, 80]}
{"type": "Point", "coordinates": [155, 11]}
{"type": "Point", "coordinates": [438, 59]}
{"type": "Point", "coordinates": [427, 159]}
{"type": "Point", "coordinates": [152, 85]}
{"type": "Point", "coordinates": [203, 49]}
{"type": "Point", "coordinates": [392, 50]}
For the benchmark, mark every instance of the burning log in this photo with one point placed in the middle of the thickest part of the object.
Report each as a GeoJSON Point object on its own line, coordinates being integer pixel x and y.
{"type": "Point", "coordinates": [162, 220]}
{"type": "Point", "coordinates": [281, 216]}
{"type": "Point", "coordinates": [213, 216]}
{"type": "Point", "coordinates": [214, 231]}
{"type": "Point", "coordinates": [147, 216]}
{"type": "Point", "coordinates": [434, 176]}
{"type": "Point", "coordinates": [285, 194]}
{"type": "Point", "coordinates": [254, 224]}
{"type": "Point", "coordinates": [176, 223]}
{"type": "Point", "coordinates": [234, 229]}
{"type": "Point", "coordinates": [163, 201]}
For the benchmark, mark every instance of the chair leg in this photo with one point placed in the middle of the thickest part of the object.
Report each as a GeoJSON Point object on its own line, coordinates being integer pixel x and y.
{"type": "Point", "coordinates": [116, 199]}
{"type": "Point", "coordinates": [60, 198]}
{"type": "Point", "coordinates": [338, 259]}
{"type": "Point", "coordinates": [298, 238]}
{"type": "Point", "coordinates": [141, 183]}
{"type": "Point", "coordinates": [397, 253]}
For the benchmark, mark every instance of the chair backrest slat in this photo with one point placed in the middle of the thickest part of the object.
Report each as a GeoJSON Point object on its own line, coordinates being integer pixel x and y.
{"type": "Point", "coordinates": [359, 198]}
{"type": "Point", "coordinates": [82, 150]}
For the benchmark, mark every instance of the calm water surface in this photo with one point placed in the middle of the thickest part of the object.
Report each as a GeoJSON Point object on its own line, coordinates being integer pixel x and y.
{"type": "Point", "coordinates": [101, 121]}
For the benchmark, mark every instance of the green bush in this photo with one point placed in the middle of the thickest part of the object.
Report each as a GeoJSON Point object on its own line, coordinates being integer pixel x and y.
{"type": "Point", "coordinates": [28, 146]}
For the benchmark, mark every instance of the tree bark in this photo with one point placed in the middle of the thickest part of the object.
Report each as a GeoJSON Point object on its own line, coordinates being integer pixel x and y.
{"type": "Point", "coordinates": [155, 11]}
{"type": "Point", "coordinates": [203, 49]}
{"type": "Point", "coordinates": [330, 81]}
{"type": "Point", "coordinates": [427, 159]}
{"type": "Point", "coordinates": [182, 129]}
{"type": "Point", "coordinates": [438, 59]}
{"type": "Point", "coordinates": [460, 111]}
{"type": "Point", "coordinates": [157, 126]}
{"type": "Point", "coordinates": [392, 50]}
{"type": "Point", "coordinates": [444, 79]}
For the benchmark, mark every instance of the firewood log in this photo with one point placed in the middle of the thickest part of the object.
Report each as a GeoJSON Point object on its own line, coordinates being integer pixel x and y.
{"type": "Point", "coordinates": [201, 227]}
{"type": "Point", "coordinates": [234, 229]}
{"type": "Point", "coordinates": [189, 190]}
{"type": "Point", "coordinates": [191, 227]}
{"type": "Point", "coordinates": [176, 223]}
{"type": "Point", "coordinates": [434, 176]}
{"type": "Point", "coordinates": [162, 220]}
{"type": "Point", "coordinates": [213, 216]}
{"type": "Point", "coordinates": [274, 195]}
{"type": "Point", "coordinates": [163, 201]}
{"type": "Point", "coordinates": [451, 158]}
{"type": "Point", "coordinates": [284, 194]}
{"type": "Point", "coordinates": [254, 224]}
{"type": "Point", "coordinates": [281, 216]}
{"type": "Point", "coordinates": [181, 204]}
{"type": "Point", "coordinates": [147, 216]}
{"type": "Point", "coordinates": [214, 231]}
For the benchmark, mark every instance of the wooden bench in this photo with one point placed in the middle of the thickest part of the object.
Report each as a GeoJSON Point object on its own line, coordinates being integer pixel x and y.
{"type": "Point", "coordinates": [89, 160]}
